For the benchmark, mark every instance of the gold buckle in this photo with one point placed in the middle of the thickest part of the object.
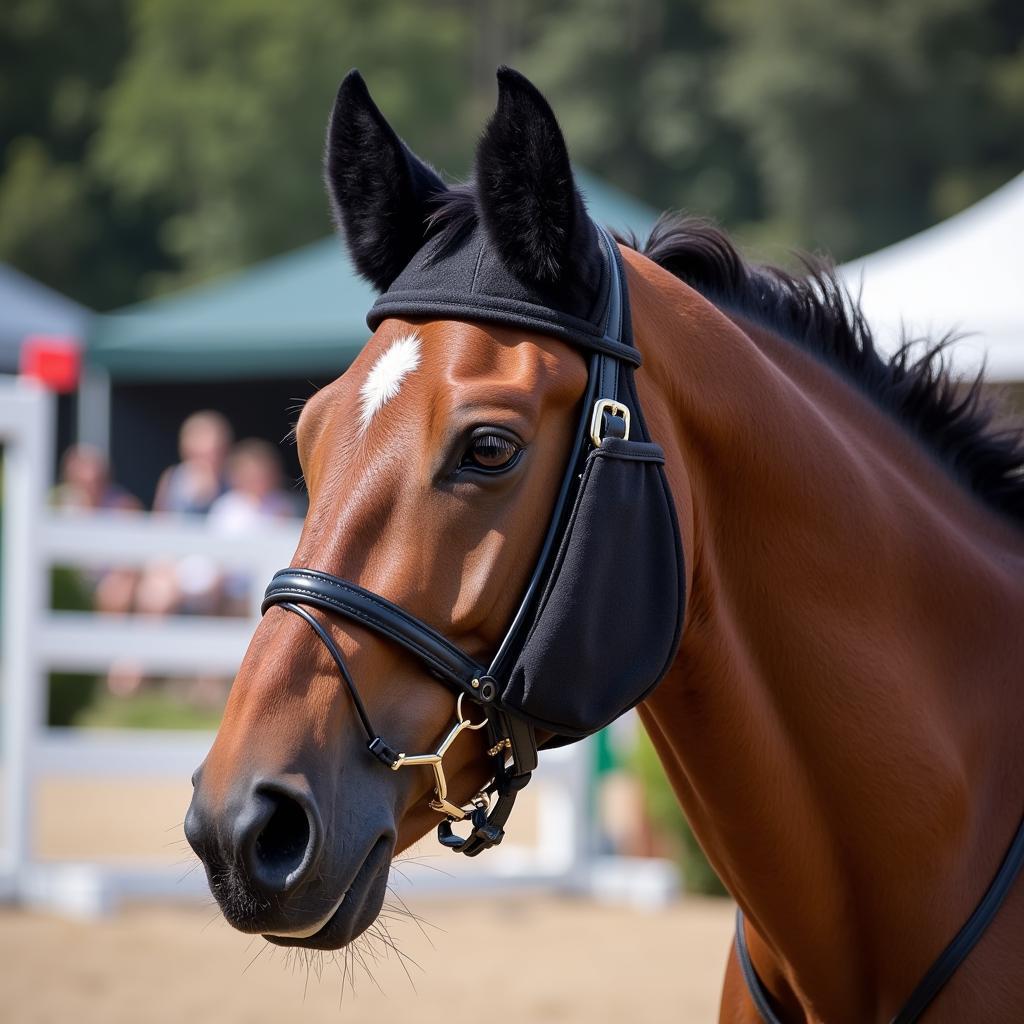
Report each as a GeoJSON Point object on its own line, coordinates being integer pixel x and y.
{"type": "Point", "coordinates": [601, 406]}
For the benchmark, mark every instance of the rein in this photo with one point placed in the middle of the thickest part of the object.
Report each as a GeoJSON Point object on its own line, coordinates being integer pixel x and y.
{"type": "Point", "coordinates": [941, 970]}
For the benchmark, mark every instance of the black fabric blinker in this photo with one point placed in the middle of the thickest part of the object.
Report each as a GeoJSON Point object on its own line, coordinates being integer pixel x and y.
{"type": "Point", "coordinates": [608, 623]}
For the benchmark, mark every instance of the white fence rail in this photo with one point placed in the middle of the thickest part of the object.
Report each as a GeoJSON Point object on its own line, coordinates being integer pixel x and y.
{"type": "Point", "coordinates": [37, 641]}
{"type": "Point", "coordinates": [26, 422]}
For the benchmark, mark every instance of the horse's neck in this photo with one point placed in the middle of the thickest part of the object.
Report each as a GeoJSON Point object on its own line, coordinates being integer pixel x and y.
{"type": "Point", "coordinates": [840, 725]}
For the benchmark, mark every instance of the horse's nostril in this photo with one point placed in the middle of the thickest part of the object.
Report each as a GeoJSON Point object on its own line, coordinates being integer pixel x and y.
{"type": "Point", "coordinates": [281, 837]}
{"type": "Point", "coordinates": [281, 845]}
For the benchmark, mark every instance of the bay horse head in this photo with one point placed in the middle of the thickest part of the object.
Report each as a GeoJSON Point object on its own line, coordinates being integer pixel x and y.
{"type": "Point", "coordinates": [444, 471]}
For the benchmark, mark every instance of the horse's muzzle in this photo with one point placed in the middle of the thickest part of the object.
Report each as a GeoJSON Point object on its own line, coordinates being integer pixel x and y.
{"type": "Point", "coordinates": [268, 841]}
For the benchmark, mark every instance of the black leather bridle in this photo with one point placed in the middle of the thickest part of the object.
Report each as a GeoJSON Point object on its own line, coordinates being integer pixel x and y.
{"type": "Point", "coordinates": [608, 409]}
{"type": "Point", "coordinates": [512, 739]}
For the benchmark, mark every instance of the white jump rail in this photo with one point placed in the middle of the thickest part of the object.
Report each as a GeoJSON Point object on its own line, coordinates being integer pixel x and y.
{"type": "Point", "coordinates": [37, 641]}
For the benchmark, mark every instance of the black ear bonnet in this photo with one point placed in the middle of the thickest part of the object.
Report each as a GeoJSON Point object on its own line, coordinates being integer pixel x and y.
{"type": "Point", "coordinates": [469, 281]}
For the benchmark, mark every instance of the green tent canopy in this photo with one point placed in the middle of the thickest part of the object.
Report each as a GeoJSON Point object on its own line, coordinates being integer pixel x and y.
{"type": "Point", "coordinates": [296, 314]}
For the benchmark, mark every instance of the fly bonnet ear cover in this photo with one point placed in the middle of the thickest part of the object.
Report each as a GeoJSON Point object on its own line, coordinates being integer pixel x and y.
{"type": "Point", "coordinates": [601, 620]}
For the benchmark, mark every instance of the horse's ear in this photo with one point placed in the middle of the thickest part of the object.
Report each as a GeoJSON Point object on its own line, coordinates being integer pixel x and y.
{"type": "Point", "coordinates": [528, 200]}
{"type": "Point", "coordinates": [380, 191]}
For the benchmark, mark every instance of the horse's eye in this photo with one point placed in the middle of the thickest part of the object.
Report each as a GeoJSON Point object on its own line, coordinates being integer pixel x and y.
{"type": "Point", "coordinates": [490, 452]}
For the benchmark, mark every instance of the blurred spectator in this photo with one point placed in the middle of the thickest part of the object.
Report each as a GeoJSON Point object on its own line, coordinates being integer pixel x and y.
{"type": "Point", "coordinates": [256, 497]}
{"type": "Point", "coordinates": [190, 487]}
{"type": "Point", "coordinates": [249, 490]}
{"type": "Point", "coordinates": [256, 493]}
{"type": "Point", "coordinates": [195, 483]}
{"type": "Point", "coordinates": [86, 486]}
{"type": "Point", "coordinates": [85, 483]}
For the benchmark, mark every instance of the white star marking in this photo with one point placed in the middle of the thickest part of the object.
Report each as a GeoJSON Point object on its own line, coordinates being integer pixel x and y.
{"type": "Point", "coordinates": [385, 378]}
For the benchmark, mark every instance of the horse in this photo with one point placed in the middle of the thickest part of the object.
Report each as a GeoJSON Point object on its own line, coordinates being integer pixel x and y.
{"type": "Point", "coordinates": [840, 716]}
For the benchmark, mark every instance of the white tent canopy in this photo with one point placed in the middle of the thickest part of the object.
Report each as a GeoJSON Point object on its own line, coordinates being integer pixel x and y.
{"type": "Point", "coordinates": [965, 275]}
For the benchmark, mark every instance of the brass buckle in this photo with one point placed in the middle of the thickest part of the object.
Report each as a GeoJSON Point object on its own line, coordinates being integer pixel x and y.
{"type": "Point", "coordinates": [601, 406]}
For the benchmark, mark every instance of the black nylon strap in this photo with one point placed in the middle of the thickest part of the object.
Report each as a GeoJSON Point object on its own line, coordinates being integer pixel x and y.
{"type": "Point", "coordinates": [755, 987]}
{"type": "Point", "coordinates": [967, 938]}
{"type": "Point", "coordinates": [941, 970]}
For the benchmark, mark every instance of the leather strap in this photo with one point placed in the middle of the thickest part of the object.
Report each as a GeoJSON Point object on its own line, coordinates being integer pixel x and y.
{"type": "Point", "coordinates": [755, 987]}
{"type": "Point", "coordinates": [941, 970]}
{"type": "Point", "coordinates": [608, 366]}
{"type": "Point", "coordinates": [339, 661]}
{"type": "Point", "coordinates": [506, 313]}
{"type": "Point", "coordinates": [967, 938]}
{"type": "Point", "coordinates": [320, 589]}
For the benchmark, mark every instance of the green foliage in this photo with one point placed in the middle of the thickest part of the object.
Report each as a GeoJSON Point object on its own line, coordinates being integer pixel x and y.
{"type": "Point", "coordinates": [220, 111]}
{"type": "Point", "coordinates": [151, 143]}
{"type": "Point", "coordinates": [59, 222]}
{"type": "Point", "coordinates": [70, 693]}
{"type": "Point", "coordinates": [150, 709]}
{"type": "Point", "coordinates": [635, 86]}
{"type": "Point", "coordinates": [869, 121]}
{"type": "Point", "coordinates": [664, 810]}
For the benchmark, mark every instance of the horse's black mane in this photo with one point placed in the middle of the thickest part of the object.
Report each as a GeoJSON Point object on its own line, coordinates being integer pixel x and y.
{"type": "Point", "coordinates": [953, 418]}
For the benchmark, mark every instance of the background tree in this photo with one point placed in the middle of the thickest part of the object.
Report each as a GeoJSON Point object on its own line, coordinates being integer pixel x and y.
{"type": "Point", "coordinates": [635, 86]}
{"type": "Point", "coordinates": [870, 121]}
{"type": "Point", "coordinates": [59, 222]}
{"type": "Point", "coordinates": [148, 144]}
{"type": "Point", "coordinates": [220, 110]}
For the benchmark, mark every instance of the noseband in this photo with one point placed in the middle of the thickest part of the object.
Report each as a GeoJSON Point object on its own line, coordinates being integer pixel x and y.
{"type": "Point", "coordinates": [610, 412]}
